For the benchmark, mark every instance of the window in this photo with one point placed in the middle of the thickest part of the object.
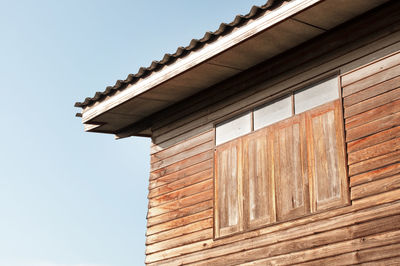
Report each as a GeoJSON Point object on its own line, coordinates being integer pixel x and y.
{"type": "Point", "coordinates": [281, 161]}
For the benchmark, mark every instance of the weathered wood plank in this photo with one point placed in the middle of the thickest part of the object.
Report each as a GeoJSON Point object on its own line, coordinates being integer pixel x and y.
{"type": "Point", "coordinates": [374, 163]}
{"type": "Point", "coordinates": [181, 193]}
{"type": "Point", "coordinates": [179, 222]}
{"type": "Point", "coordinates": [386, 238]}
{"type": "Point", "coordinates": [194, 170]}
{"type": "Point", "coordinates": [370, 69]}
{"type": "Point", "coordinates": [180, 231]}
{"type": "Point", "coordinates": [372, 103]}
{"type": "Point", "coordinates": [286, 231]}
{"type": "Point", "coordinates": [375, 174]}
{"type": "Point", "coordinates": [184, 212]}
{"type": "Point", "coordinates": [181, 183]}
{"type": "Point", "coordinates": [371, 92]}
{"type": "Point", "coordinates": [374, 139]}
{"type": "Point", "coordinates": [395, 261]}
{"type": "Point", "coordinates": [185, 145]}
{"type": "Point", "coordinates": [359, 256]}
{"type": "Point", "coordinates": [180, 241]}
{"type": "Point", "coordinates": [180, 156]}
{"type": "Point", "coordinates": [180, 203]}
{"type": "Point", "coordinates": [374, 151]}
{"type": "Point", "coordinates": [372, 80]}
{"type": "Point", "coordinates": [308, 242]}
{"type": "Point", "coordinates": [373, 127]}
{"type": "Point", "coordinates": [375, 187]}
{"type": "Point", "coordinates": [182, 164]}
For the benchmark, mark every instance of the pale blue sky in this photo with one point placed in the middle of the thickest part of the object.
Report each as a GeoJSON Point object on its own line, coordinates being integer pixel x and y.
{"type": "Point", "coordinates": [70, 198]}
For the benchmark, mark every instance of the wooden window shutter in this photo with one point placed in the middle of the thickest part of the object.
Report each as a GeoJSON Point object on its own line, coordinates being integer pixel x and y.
{"type": "Point", "coordinates": [329, 186]}
{"type": "Point", "coordinates": [228, 188]}
{"type": "Point", "coordinates": [258, 188]}
{"type": "Point", "coordinates": [290, 168]}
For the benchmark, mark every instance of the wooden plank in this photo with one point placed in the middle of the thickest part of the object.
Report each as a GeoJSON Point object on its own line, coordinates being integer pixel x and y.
{"type": "Point", "coordinates": [183, 146]}
{"type": "Point", "coordinates": [258, 186]}
{"type": "Point", "coordinates": [375, 174]}
{"type": "Point", "coordinates": [372, 80]}
{"type": "Point", "coordinates": [181, 193]}
{"type": "Point", "coordinates": [374, 151]}
{"type": "Point", "coordinates": [373, 127]}
{"type": "Point", "coordinates": [282, 232]}
{"type": "Point", "coordinates": [182, 164]}
{"type": "Point", "coordinates": [395, 261]}
{"type": "Point", "coordinates": [292, 195]}
{"type": "Point", "coordinates": [386, 238]}
{"type": "Point", "coordinates": [374, 139]}
{"type": "Point", "coordinates": [180, 213]}
{"type": "Point", "coordinates": [371, 103]}
{"type": "Point", "coordinates": [180, 203]}
{"type": "Point", "coordinates": [285, 249]}
{"type": "Point", "coordinates": [190, 171]}
{"type": "Point", "coordinates": [375, 187]}
{"type": "Point", "coordinates": [228, 194]}
{"type": "Point", "coordinates": [374, 114]}
{"type": "Point", "coordinates": [374, 163]}
{"type": "Point", "coordinates": [359, 256]}
{"type": "Point", "coordinates": [180, 231]}
{"type": "Point", "coordinates": [180, 241]}
{"type": "Point", "coordinates": [371, 92]}
{"type": "Point", "coordinates": [182, 155]}
{"type": "Point", "coordinates": [179, 222]}
{"type": "Point", "coordinates": [370, 69]}
{"type": "Point", "coordinates": [181, 183]}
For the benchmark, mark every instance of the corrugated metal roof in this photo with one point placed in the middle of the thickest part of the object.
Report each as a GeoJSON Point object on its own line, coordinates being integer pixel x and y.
{"type": "Point", "coordinates": [181, 52]}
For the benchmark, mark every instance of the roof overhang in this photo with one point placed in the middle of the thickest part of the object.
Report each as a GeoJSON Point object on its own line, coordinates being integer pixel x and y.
{"type": "Point", "coordinates": [274, 32]}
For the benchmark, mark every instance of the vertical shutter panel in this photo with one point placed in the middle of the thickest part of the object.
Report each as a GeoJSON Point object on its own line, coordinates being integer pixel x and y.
{"type": "Point", "coordinates": [257, 180]}
{"type": "Point", "coordinates": [327, 157]}
{"type": "Point", "coordinates": [290, 169]}
{"type": "Point", "coordinates": [228, 172]}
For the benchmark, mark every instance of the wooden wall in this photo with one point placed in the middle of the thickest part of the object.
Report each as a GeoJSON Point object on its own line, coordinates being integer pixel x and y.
{"type": "Point", "coordinates": [181, 189]}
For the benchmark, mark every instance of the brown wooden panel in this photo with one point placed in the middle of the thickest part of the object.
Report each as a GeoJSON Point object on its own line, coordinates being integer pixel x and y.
{"type": "Point", "coordinates": [370, 69]}
{"type": "Point", "coordinates": [373, 127]}
{"type": "Point", "coordinates": [228, 180]}
{"type": "Point", "coordinates": [290, 168]}
{"type": "Point", "coordinates": [190, 210]}
{"type": "Point", "coordinates": [372, 80]}
{"type": "Point", "coordinates": [183, 230]}
{"type": "Point", "coordinates": [364, 210]}
{"type": "Point", "coordinates": [359, 256]}
{"type": "Point", "coordinates": [327, 156]}
{"type": "Point", "coordinates": [375, 174]}
{"type": "Point", "coordinates": [181, 203]}
{"type": "Point", "coordinates": [374, 163]}
{"type": "Point", "coordinates": [191, 171]}
{"type": "Point", "coordinates": [369, 104]}
{"type": "Point", "coordinates": [181, 165]}
{"type": "Point", "coordinates": [258, 185]}
{"type": "Point", "coordinates": [374, 151]}
{"type": "Point", "coordinates": [181, 193]}
{"type": "Point", "coordinates": [370, 92]}
{"type": "Point", "coordinates": [179, 222]}
{"type": "Point", "coordinates": [183, 146]}
{"type": "Point", "coordinates": [316, 241]}
{"type": "Point", "coordinates": [395, 261]}
{"type": "Point", "coordinates": [181, 183]}
{"type": "Point", "coordinates": [375, 187]}
{"type": "Point", "coordinates": [374, 139]}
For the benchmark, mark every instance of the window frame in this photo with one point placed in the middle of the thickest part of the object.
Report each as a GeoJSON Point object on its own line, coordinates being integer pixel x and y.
{"type": "Point", "coordinates": [245, 225]}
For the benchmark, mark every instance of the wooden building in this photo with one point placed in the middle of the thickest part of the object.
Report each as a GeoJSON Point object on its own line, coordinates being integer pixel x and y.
{"type": "Point", "coordinates": [275, 139]}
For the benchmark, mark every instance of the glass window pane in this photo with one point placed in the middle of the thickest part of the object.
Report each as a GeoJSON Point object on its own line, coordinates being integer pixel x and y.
{"type": "Point", "coordinates": [233, 128]}
{"type": "Point", "coordinates": [272, 113]}
{"type": "Point", "coordinates": [317, 94]}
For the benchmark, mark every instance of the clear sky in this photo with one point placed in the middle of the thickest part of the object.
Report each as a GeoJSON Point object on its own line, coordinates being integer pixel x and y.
{"type": "Point", "coordinates": [69, 198]}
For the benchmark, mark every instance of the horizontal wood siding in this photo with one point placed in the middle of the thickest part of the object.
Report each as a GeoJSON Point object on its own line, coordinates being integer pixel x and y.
{"type": "Point", "coordinates": [180, 226]}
